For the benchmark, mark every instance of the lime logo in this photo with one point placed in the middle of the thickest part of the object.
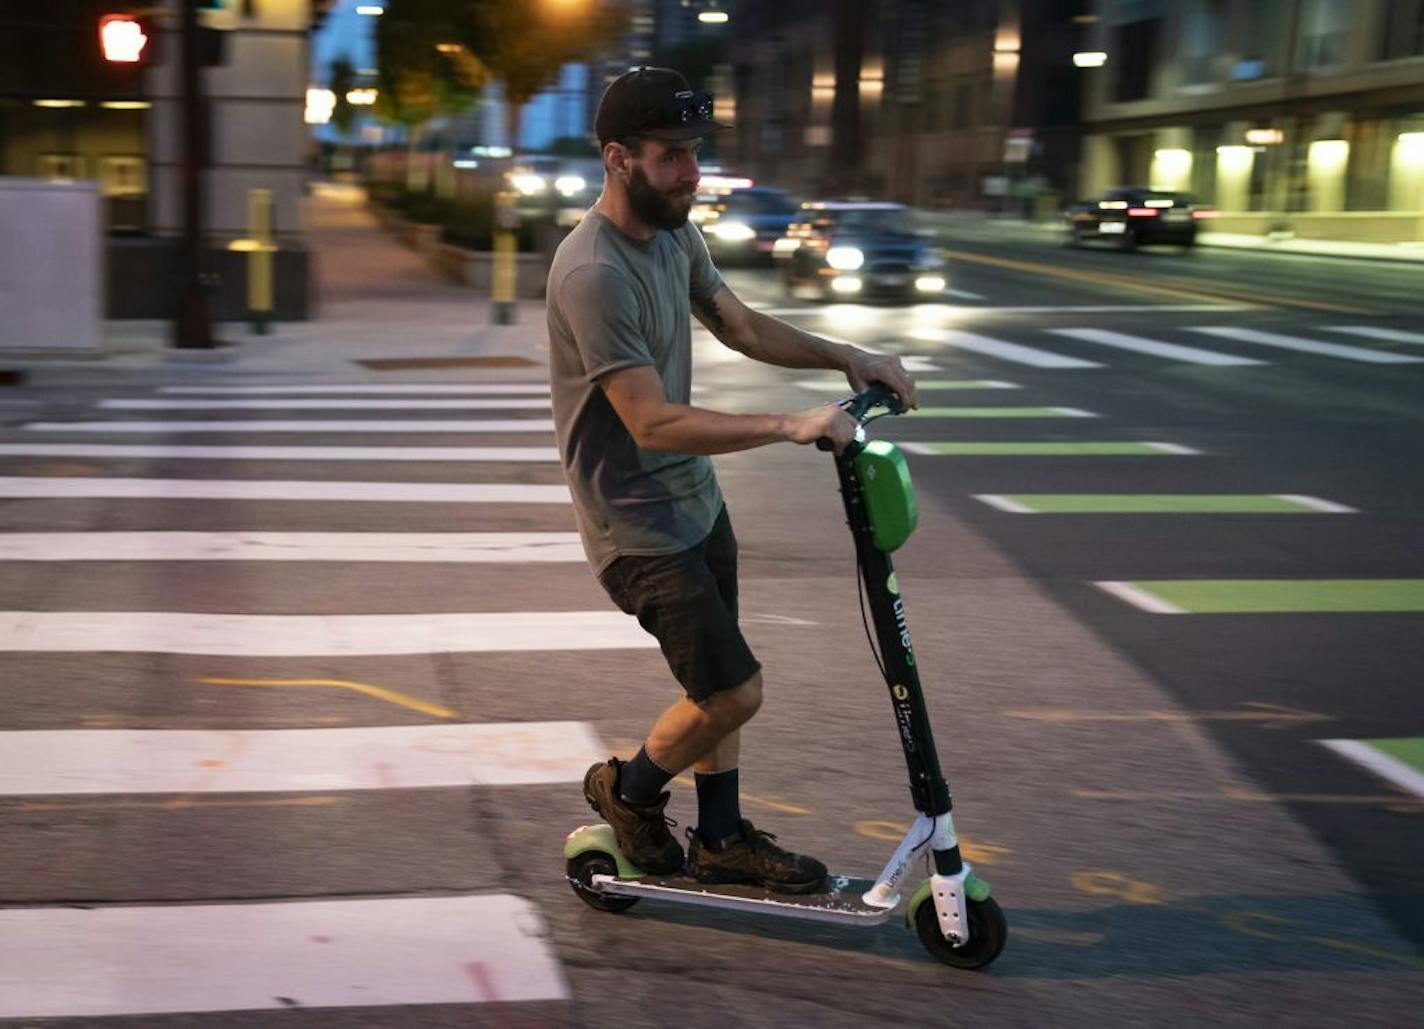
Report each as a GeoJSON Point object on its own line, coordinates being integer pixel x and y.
{"type": "Point", "coordinates": [900, 692]}
{"type": "Point", "coordinates": [892, 583]}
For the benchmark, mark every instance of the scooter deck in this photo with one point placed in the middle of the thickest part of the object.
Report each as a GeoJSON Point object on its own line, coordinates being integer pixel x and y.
{"type": "Point", "coordinates": [841, 903]}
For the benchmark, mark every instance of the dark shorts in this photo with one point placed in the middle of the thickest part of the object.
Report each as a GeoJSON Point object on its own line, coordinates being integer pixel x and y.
{"type": "Point", "coordinates": [688, 601]}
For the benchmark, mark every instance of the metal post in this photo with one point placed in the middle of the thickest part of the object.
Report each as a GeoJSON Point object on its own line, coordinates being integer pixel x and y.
{"type": "Point", "coordinates": [506, 246]}
{"type": "Point", "coordinates": [193, 327]}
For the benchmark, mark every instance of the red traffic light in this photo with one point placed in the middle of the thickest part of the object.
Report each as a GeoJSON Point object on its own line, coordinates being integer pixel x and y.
{"type": "Point", "coordinates": [125, 39]}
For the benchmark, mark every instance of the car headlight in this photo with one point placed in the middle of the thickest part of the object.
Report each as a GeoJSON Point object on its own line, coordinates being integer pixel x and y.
{"type": "Point", "coordinates": [569, 185]}
{"type": "Point", "coordinates": [528, 183]}
{"type": "Point", "coordinates": [733, 232]}
{"type": "Point", "coordinates": [846, 259]}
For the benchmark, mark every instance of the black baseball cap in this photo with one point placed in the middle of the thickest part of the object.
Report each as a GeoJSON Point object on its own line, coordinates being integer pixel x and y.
{"type": "Point", "coordinates": [653, 102]}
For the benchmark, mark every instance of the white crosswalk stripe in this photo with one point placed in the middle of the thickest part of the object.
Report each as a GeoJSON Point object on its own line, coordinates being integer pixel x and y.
{"type": "Point", "coordinates": [196, 404]}
{"type": "Point", "coordinates": [1379, 333]}
{"type": "Point", "coordinates": [1171, 351]}
{"type": "Point", "coordinates": [1305, 346]}
{"type": "Point", "coordinates": [292, 453]}
{"type": "Point", "coordinates": [1015, 352]}
{"type": "Point", "coordinates": [374, 426]}
{"type": "Point", "coordinates": [404, 547]}
{"type": "Point", "coordinates": [281, 489]}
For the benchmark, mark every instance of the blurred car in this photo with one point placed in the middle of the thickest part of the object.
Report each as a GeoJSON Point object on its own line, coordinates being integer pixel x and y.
{"type": "Point", "coordinates": [561, 187]}
{"type": "Point", "coordinates": [1128, 217]}
{"type": "Point", "coordinates": [743, 225]}
{"type": "Point", "coordinates": [850, 249]}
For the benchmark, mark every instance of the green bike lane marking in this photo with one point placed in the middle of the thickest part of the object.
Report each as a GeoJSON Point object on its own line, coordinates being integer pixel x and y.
{"type": "Point", "coordinates": [1399, 761]}
{"type": "Point", "coordinates": [1160, 503]}
{"type": "Point", "coordinates": [1105, 448]}
{"type": "Point", "coordinates": [1271, 596]}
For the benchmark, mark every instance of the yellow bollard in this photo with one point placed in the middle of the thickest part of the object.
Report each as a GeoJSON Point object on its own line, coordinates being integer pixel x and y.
{"type": "Point", "coordinates": [506, 245]}
{"type": "Point", "coordinates": [259, 258]}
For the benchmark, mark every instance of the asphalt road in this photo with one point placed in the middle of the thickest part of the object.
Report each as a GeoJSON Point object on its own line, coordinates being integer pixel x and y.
{"type": "Point", "coordinates": [1146, 792]}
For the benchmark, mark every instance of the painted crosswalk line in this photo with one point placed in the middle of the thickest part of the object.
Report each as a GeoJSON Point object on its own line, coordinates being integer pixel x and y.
{"type": "Point", "coordinates": [1399, 760]}
{"type": "Point", "coordinates": [1015, 352]}
{"type": "Point", "coordinates": [283, 489]}
{"type": "Point", "coordinates": [1379, 333]}
{"type": "Point", "coordinates": [432, 389]}
{"type": "Point", "coordinates": [233, 635]}
{"type": "Point", "coordinates": [450, 426]}
{"type": "Point", "coordinates": [999, 412]}
{"type": "Point", "coordinates": [61, 761]}
{"type": "Point", "coordinates": [921, 385]}
{"type": "Point", "coordinates": [1045, 449]}
{"type": "Point", "coordinates": [1160, 503]}
{"type": "Point", "coordinates": [1271, 596]}
{"type": "Point", "coordinates": [1306, 346]}
{"type": "Point", "coordinates": [345, 404]}
{"type": "Point", "coordinates": [66, 962]}
{"type": "Point", "coordinates": [295, 453]}
{"type": "Point", "coordinates": [1156, 348]}
{"type": "Point", "coordinates": [411, 547]}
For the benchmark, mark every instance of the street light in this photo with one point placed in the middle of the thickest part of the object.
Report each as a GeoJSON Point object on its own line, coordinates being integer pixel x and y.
{"type": "Point", "coordinates": [1090, 59]}
{"type": "Point", "coordinates": [712, 17]}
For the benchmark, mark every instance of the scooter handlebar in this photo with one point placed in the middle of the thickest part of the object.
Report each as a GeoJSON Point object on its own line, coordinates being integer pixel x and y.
{"type": "Point", "coordinates": [859, 405]}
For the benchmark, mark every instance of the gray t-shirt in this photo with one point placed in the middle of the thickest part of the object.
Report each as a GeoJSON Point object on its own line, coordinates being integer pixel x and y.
{"type": "Point", "coordinates": [615, 302]}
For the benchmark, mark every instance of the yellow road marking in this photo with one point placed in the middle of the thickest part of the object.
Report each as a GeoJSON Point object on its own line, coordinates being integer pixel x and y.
{"type": "Point", "coordinates": [173, 803]}
{"type": "Point", "coordinates": [1215, 296]}
{"type": "Point", "coordinates": [974, 853]}
{"type": "Point", "coordinates": [1402, 803]}
{"type": "Point", "coordinates": [753, 799]}
{"type": "Point", "coordinates": [1115, 884]}
{"type": "Point", "coordinates": [1242, 922]}
{"type": "Point", "coordinates": [389, 696]}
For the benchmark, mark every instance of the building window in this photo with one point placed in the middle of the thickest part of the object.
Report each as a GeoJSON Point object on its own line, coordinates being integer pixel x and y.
{"type": "Point", "coordinates": [1403, 30]}
{"type": "Point", "coordinates": [1137, 42]}
{"type": "Point", "coordinates": [1202, 25]}
{"type": "Point", "coordinates": [1324, 32]}
{"type": "Point", "coordinates": [963, 104]}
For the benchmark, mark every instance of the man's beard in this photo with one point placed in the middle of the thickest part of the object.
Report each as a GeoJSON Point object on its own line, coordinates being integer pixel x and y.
{"type": "Point", "coordinates": [659, 210]}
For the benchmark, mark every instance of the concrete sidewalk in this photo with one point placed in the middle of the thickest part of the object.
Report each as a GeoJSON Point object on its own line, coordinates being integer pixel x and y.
{"type": "Point", "coordinates": [376, 300]}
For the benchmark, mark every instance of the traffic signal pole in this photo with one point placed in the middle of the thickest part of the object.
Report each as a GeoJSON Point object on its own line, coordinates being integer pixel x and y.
{"type": "Point", "coordinates": [192, 326]}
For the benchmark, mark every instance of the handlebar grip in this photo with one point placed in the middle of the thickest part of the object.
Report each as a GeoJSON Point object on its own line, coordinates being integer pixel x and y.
{"type": "Point", "coordinates": [824, 444]}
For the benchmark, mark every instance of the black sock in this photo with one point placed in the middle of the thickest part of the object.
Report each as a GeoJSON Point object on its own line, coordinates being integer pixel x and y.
{"type": "Point", "coordinates": [719, 809]}
{"type": "Point", "coordinates": [641, 780]}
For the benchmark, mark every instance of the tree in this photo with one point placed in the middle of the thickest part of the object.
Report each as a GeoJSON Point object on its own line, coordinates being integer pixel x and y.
{"type": "Point", "coordinates": [422, 69]}
{"type": "Point", "coordinates": [525, 43]}
{"type": "Point", "coordinates": [341, 79]}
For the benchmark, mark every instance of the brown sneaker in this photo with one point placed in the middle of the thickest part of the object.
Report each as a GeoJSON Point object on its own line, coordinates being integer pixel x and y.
{"type": "Point", "coordinates": [755, 859]}
{"type": "Point", "coordinates": [641, 832]}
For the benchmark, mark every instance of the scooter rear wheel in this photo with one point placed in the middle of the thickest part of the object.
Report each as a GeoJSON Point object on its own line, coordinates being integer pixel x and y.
{"type": "Point", "coordinates": [581, 871]}
{"type": "Point", "coordinates": [988, 932]}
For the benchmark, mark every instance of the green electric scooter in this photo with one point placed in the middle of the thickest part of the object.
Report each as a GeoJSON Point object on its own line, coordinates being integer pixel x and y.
{"type": "Point", "coordinates": [953, 914]}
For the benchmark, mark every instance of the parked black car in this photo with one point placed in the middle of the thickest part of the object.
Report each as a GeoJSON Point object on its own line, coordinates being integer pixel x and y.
{"type": "Point", "coordinates": [847, 250]}
{"type": "Point", "coordinates": [1129, 216]}
{"type": "Point", "coordinates": [744, 224]}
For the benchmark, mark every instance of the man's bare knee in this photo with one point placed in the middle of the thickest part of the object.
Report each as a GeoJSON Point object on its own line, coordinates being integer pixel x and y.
{"type": "Point", "coordinates": [735, 707]}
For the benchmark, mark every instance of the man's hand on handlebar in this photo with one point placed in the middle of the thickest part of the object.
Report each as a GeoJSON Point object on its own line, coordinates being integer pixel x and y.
{"type": "Point", "coordinates": [885, 369]}
{"type": "Point", "coordinates": [826, 422]}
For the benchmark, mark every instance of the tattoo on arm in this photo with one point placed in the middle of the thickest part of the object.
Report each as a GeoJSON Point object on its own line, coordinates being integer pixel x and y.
{"type": "Point", "coordinates": [708, 310]}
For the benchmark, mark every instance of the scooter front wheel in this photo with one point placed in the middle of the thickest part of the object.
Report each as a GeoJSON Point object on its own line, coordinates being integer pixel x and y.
{"type": "Point", "coordinates": [581, 871]}
{"type": "Point", "coordinates": [988, 932]}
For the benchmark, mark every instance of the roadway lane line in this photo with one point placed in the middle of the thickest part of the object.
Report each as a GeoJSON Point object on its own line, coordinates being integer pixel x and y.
{"type": "Point", "coordinates": [921, 385]}
{"type": "Point", "coordinates": [999, 412]}
{"type": "Point", "coordinates": [120, 450]}
{"type": "Point", "coordinates": [1280, 596]}
{"type": "Point", "coordinates": [1161, 503]}
{"type": "Point", "coordinates": [451, 426]}
{"type": "Point", "coordinates": [232, 635]}
{"type": "Point", "coordinates": [282, 489]}
{"type": "Point", "coordinates": [64, 962]}
{"type": "Point", "coordinates": [412, 547]}
{"type": "Point", "coordinates": [395, 757]}
{"type": "Point", "coordinates": [203, 404]}
{"type": "Point", "coordinates": [1171, 351]}
{"type": "Point", "coordinates": [997, 348]}
{"type": "Point", "coordinates": [1374, 332]}
{"type": "Point", "coordinates": [472, 389]}
{"type": "Point", "coordinates": [1044, 449]}
{"type": "Point", "coordinates": [1399, 761]}
{"type": "Point", "coordinates": [1140, 598]}
{"type": "Point", "coordinates": [1305, 346]}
